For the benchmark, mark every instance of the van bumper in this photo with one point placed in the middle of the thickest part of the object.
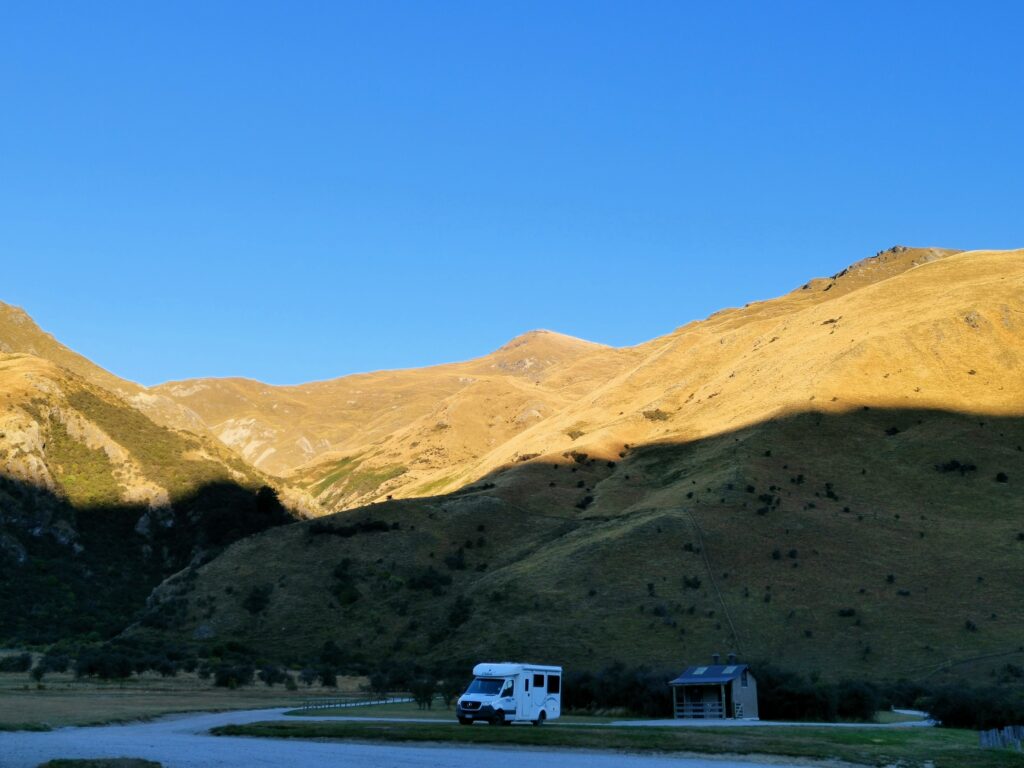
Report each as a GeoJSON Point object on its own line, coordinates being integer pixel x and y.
{"type": "Point", "coordinates": [486, 712]}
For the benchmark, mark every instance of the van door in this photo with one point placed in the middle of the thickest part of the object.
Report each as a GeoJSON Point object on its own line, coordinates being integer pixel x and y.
{"type": "Point", "coordinates": [538, 692]}
{"type": "Point", "coordinates": [523, 695]}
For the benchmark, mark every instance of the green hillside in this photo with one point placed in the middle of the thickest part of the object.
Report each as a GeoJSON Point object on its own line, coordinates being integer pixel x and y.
{"type": "Point", "coordinates": [98, 504]}
{"type": "Point", "coordinates": [874, 543]}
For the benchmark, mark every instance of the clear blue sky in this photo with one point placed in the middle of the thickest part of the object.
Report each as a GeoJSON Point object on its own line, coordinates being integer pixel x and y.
{"type": "Point", "coordinates": [299, 190]}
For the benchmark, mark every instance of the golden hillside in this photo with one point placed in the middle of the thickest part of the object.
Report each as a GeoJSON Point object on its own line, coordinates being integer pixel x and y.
{"type": "Point", "coordinates": [885, 331]}
{"type": "Point", "coordinates": [413, 424]}
{"type": "Point", "coordinates": [20, 334]}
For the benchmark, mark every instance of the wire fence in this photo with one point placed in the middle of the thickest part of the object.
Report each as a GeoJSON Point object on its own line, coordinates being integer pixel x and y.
{"type": "Point", "coordinates": [343, 703]}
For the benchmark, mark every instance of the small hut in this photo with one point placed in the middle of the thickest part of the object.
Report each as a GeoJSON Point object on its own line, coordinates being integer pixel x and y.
{"type": "Point", "coordinates": [715, 691]}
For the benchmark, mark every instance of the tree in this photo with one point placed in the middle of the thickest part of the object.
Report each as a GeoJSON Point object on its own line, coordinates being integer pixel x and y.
{"type": "Point", "coordinates": [272, 675]}
{"type": "Point", "coordinates": [379, 684]}
{"type": "Point", "coordinates": [308, 676]}
{"type": "Point", "coordinates": [328, 677]}
{"type": "Point", "coordinates": [450, 688]}
{"type": "Point", "coordinates": [422, 690]}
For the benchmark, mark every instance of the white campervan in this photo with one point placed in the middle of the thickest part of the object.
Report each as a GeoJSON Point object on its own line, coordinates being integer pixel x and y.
{"type": "Point", "coordinates": [504, 692]}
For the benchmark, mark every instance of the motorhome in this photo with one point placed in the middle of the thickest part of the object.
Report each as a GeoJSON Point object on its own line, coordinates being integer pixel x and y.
{"type": "Point", "coordinates": [505, 692]}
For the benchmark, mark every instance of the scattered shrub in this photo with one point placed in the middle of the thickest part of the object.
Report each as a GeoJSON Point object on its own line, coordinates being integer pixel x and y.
{"type": "Point", "coordinates": [955, 466]}
{"type": "Point", "coordinates": [460, 612]}
{"type": "Point", "coordinates": [656, 415]}
{"type": "Point", "coordinates": [429, 578]}
{"type": "Point", "coordinates": [258, 598]}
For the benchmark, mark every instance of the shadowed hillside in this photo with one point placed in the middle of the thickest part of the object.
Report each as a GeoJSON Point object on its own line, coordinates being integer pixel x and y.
{"type": "Point", "coordinates": [89, 569]}
{"type": "Point", "coordinates": [99, 503]}
{"type": "Point", "coordinates": [872, 543]}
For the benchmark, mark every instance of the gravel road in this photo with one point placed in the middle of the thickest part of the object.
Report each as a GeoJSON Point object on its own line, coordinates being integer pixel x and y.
{"type": "Point", "coordinates": [182, 741]}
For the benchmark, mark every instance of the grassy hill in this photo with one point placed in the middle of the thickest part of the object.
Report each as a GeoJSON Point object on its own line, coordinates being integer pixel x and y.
{"type": "Point", "coordinates": [817, 541]}
{"type": "Point", "coordinates": [99, 503]}
{"type": "Point", "coordinates": [19, 334]}
{"type": "Point", "coordinates": [828, 480]}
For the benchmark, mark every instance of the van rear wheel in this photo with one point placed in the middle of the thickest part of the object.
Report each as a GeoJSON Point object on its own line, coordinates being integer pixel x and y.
{"type": "Point", "coordinates": [540, 720]}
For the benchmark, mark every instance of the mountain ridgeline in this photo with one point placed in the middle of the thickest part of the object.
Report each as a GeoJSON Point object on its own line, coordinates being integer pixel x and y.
{"type": "Point", "coordinates": [829, 480]}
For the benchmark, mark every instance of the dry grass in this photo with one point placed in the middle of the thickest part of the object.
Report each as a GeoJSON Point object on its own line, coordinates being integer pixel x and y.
{"type": "Point", "coordinates": [66, 701]}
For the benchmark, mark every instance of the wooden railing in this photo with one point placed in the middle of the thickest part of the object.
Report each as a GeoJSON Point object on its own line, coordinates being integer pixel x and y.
{"type": "Point", "coordinates": [700, 710]}
{"type": "Point", "coordinates": [1010, 736]}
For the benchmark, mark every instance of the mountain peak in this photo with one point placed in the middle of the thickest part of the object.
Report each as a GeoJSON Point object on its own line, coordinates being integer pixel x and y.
{"type": "Point", "coordinates": [541, 337]}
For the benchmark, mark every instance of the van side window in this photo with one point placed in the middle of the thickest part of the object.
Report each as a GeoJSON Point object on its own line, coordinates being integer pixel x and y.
{"type": "Point", "coordinates": [554, 683]}
{"type": "Point", "coordinates": [743, 679]}
{"type": "Point", "coordinates": [526, 684]}
{"type": "Point", "coordinates": [538, 681]}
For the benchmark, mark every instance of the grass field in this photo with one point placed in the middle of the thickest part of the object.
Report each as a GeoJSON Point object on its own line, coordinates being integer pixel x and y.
{"type": "Point", "coordinates": [410, 710]}
{"type": "Point", "coordinates": [910, 747]}
{"type": "Point", "coordinates": [66, 701]}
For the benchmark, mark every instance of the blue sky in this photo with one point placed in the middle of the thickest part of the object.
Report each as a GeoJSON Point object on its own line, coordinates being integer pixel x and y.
{"type": "Point", "coordinates": [295, 191]}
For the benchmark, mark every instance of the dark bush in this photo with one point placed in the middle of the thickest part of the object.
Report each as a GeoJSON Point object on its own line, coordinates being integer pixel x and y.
{"type": "Point", "coordinates": [788, 696]}
{"type": "Point", "coordinates": [21, 662]}
{"type": "Point", "coordinates": [328, 677]}
{"type": "Point", "coordinates": [955, 466]}
{"type": "Point", "coordinates": [456, 561]}
{"type": "Point", "coordinates": [233, 675]}
{"type": "Point", "coordinates": [979, 708]}
{"type": "Point", "coordinates": [104, 664]}
{"type": "Point", "coordinates": [422, 690]}
{"type": "Point", "coordinates": [272, 675]}
{"type": "Point", "coordinates": [258, 598]}
{"type": "Point", "coordinates": [55, 662]}
{"type": "Point", "coordinates": [429, 578]}
{"type": "Point", "coordinates": [857, 700]}
{"type": "Point", "coordinates": [461, 610]}
{"type": "Point", "coordinates": [639, 690]}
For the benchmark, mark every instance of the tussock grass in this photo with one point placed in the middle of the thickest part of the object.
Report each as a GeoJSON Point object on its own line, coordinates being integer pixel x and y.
{"type": "Point", "coordinates": [909, 747]}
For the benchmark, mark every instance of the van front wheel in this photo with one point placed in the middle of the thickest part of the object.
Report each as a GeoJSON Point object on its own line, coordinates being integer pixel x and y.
{"type": "Point", "coordinates": [540, 720]}
{"type": "Point", "coordinates": [465, 721]}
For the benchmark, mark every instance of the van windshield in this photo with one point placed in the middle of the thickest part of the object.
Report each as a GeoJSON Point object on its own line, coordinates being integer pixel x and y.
{"type": "Point", "coordinates": [488, 686]}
